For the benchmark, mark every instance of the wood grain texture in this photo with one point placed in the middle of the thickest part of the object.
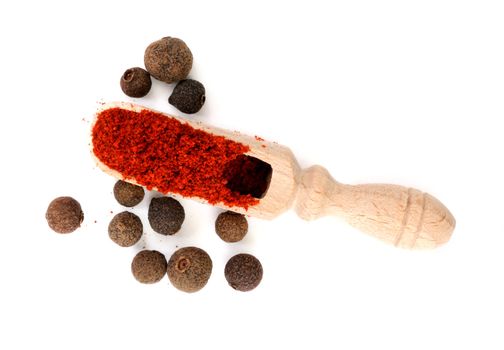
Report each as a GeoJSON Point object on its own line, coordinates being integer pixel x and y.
{"type": "Point", "coordinates": [398, 215]}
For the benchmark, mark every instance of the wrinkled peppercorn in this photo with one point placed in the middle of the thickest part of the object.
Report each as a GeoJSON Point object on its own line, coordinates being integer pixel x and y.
{"type": "Point", "coordinates": [189, 269]}
{"type": "Point", "coordinates": [136, 82]}
{"type": "Point", "coordinates": [125, 229]}
{"type": "Point", "coordinates": [166, 215]}
{"type": "Point", "coordinates": [231, 227]}
{"type": "Point", "coordinates": [243, 272]}
{"type": "Point", "coordinates": [128, 194]}
{"type": "Point", "coordinates": [168, 59]}
{"type": "Point", "coordinates": [64, 215]}
{"type": "Point", "coordinates": [188, 96]}
{"type": "Point", "coordinates": [149, 266]}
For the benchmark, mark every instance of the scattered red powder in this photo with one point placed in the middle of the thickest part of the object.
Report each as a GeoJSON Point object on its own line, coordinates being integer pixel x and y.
{"type": "Point", "coordinates": [163, 153]}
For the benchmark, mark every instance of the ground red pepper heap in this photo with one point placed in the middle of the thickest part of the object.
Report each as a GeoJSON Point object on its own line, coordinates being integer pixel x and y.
{"type": "Point", "coordinates": [173, 157]}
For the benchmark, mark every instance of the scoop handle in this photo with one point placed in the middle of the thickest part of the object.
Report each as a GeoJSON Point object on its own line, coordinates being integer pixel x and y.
{"type": "Point", "coordinates": [398, 215]}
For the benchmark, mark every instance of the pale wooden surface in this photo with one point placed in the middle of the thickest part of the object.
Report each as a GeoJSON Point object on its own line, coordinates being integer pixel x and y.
{"type": "Point", "coordinates": [401, 216]}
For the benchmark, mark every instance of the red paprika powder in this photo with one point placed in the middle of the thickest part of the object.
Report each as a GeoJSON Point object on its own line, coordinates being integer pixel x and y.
{"type": "Point", "coordinates": [162, 153]}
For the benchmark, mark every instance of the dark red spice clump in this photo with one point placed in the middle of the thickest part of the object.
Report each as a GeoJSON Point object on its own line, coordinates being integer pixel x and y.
{"type": "Point", "coordinates": [248, 175]}
{"type": "Point", "coordinates": [162, 153]}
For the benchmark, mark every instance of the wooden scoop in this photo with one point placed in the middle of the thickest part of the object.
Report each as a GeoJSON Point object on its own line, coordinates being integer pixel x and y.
{"type": "Point", "coordinates": [402, 216]}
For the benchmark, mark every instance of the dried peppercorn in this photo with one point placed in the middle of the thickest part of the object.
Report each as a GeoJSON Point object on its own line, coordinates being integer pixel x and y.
{"type": "Point", "coordinates": [128, 194]}
{"type": "Point", "coordinates": [166, 215]}
{"type": "Point", "coordinates": [125, 229]}
{"type": "Point", "coordinates": [188, 96]}
{"type": "Point", "coordinates": [243, 272]}
{"type": "Point", "coordinates": [136, 82]}
{"type": "Point", "coordinates": [231, 227]}
{"type": "Point", "coordinates": [64, 215]}
{"type": "Point", "coordinates": [168, 59]}
{"type": "Point", "coordinates": [149, 266]}
{"type": "Point", "coordinates": [189, 269]}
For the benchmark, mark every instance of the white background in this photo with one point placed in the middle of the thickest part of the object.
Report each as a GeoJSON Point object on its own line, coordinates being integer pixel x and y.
{"type": "Point", "coordinates": [407, 92]}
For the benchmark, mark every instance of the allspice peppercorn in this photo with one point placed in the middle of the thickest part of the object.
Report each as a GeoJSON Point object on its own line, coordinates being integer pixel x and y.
{"type": "Point", "coordinates": [166, 215]}
{"type": "Point", "coordinates": [125, 229]}
{"type": "Point", "coordinates": [136, 82]}
{"type": "Point", "coordinates": [168, 59]}
{"type": "Point", "coordinates": [64, 215]}
{"type": "Point", "coordinates": [243, 272]}
{"type": "Point", "coordinates": [189, 269]}
{"type": "Point", "coordinates": [188, 96]}
{"type": "Point", "coordinates": [231, 227]}
{"type": "Point", "coordinates": [128, 194]}
{"type": "Point", "coordinates": [149, 266]}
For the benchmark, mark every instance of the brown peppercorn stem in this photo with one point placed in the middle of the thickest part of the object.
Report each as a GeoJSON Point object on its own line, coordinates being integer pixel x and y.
{"type": "Point", "coordinates": [128, 75]}
{"type": "Point", "coordinates": [183, 264]}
